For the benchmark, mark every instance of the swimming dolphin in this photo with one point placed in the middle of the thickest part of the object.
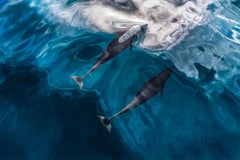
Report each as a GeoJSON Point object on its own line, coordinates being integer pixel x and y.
{"type": "Point", "coordinates": [150, 89]}
{"type": "Point", "coordinates": [121, 42]}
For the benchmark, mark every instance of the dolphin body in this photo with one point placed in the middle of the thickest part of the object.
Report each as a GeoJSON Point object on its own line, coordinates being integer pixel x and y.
{"type": "Point", "coordinates": [150, 89]}
{"type": "Point", "coordinates": [118, 44]}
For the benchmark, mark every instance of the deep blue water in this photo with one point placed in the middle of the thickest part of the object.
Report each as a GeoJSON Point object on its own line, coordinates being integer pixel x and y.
{"type": "Point", "coordinates": [44, 115]}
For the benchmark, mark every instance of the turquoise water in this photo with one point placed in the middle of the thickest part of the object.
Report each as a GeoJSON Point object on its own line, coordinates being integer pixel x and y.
{"type": "Point", "coordinates": [44, 115]}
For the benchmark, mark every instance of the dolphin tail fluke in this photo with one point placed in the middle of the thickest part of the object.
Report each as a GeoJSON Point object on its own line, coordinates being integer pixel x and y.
{"type": "Point", "coordinates": [105, 122]}
{"type": "Point", "coordinates": [78, 80]}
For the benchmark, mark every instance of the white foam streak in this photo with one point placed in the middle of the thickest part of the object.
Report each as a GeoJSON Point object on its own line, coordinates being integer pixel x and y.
{"type": "Point", "coordinates": [233, 28]}
{"type": "Point", "coordinates": [102, 17]}
{"type": "Point", "coordinates": [168, 23]}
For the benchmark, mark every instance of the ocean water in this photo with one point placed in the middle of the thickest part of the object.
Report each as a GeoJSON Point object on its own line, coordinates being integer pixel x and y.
{"type": "Point", "coordinates": [44, 115]}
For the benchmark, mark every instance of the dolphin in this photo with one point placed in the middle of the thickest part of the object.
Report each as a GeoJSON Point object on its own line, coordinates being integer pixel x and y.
{"type": "Point", "coordinates": [117, 45]}
{"type": "Point", "coordinates": [150, 89]}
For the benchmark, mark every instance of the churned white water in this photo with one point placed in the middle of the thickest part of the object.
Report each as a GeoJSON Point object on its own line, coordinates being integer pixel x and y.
{"type": "Point", "coordinates": [169, 23]}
